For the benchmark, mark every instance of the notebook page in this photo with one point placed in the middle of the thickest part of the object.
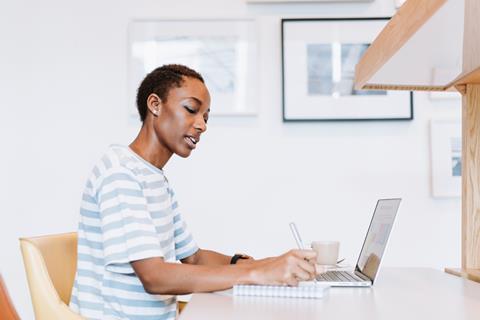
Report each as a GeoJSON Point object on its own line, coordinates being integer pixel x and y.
{"type": "Point", "coordinates": [311, 290]}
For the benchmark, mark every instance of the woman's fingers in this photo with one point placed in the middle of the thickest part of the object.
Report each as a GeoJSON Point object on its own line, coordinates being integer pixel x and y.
{"type": "Point", "coordinates": [299, 266]}
{"type": "Point", "coordinates": [307, 267]}
{"type": "Point", "coordinates": [301, 274]}
{"type": "Point", "coordinates": [292, 281]}
{"type": "Point", "coordinates": [309, 255]}
{"type": "Point", "coordinates": [307, 260]}
{"type": "Point", "coordinates": [289, 268]}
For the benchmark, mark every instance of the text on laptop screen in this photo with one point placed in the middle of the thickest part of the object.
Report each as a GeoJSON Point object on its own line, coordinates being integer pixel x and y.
{"type": "Point", "coordinates": [377, 236]}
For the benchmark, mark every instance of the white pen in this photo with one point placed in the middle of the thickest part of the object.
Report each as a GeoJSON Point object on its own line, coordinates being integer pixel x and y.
{"type": "Point", "coordinates": [296, 235]}
{"type": "Point", "coordinates": [299, 241]}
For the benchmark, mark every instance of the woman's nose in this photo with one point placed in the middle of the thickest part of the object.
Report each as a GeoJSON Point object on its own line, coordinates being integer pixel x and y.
{"type": "Point", "coordinates": [201, 125]}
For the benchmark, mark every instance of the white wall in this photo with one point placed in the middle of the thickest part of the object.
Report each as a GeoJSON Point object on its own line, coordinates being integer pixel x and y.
{"type": "Point", "coordinates": [63, 100]}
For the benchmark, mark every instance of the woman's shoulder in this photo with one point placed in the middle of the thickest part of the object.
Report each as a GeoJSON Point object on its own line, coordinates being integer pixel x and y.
{"type": "Point", "coordinates": [119, 157]}
{"type": "Point", "coordinates": [115, 159]}
{"type": "Point", "coordinates": [121, 160]}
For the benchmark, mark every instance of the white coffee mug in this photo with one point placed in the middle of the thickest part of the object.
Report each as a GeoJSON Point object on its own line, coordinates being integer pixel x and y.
{"type": "Point", "coordinates": [327, 252]}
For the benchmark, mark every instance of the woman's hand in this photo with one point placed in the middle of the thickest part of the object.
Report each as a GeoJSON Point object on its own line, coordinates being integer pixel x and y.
{"type": "Point", "coordinates": [160, 277]}
{"type": "Point", "coordinates": [289, 268]}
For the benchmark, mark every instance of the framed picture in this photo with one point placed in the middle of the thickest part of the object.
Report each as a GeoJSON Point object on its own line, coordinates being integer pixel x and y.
{"type": "Point", "coordinates": [318, 63]}
{"type": "Point", "coordinates": [446, 142]}
{"type": "Point", "coordinates": [222, 51]}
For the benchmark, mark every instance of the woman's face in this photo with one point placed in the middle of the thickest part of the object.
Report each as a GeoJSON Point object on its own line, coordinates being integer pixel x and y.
{"type": "Point", "coordinates": [182, 119]}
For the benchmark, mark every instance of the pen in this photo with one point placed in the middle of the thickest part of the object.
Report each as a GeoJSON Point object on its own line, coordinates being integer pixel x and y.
{"type": "Point", "coordinates": [298, 240]}
{"type": "Point", "coordinates": [296, 235]}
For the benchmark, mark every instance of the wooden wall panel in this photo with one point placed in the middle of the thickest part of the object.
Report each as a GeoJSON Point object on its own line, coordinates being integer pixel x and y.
{"type": "Point", "coordinates": [471, 178]}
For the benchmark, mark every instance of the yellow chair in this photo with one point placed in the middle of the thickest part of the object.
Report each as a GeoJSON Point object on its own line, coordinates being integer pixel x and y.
{"type": "Point", "coordinates": [50, 263]}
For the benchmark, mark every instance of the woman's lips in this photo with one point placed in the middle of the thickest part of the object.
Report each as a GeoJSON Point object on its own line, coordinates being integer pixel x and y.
{"type": "Point", "coordinates": [190, 142]}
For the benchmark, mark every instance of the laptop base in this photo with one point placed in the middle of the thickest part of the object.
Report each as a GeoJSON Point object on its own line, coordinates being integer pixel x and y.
{"type": "Point", "coordinates": [343, 279]}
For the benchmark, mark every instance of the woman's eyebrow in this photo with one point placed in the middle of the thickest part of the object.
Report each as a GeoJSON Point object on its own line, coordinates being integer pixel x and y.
{"type": "Point", "coordinates": [196, 99]}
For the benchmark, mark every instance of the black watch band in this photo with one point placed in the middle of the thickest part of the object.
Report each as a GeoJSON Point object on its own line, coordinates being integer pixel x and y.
{"type": "Point", "coordinates": [236, 257]}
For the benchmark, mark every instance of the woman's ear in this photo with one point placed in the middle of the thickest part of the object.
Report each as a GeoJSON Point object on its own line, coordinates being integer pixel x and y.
{"type": "Point", "coordinates": [154, 104]}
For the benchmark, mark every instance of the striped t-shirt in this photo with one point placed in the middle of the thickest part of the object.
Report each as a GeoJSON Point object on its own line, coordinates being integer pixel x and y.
{"type": "Point", "coordinates": [128, 213]}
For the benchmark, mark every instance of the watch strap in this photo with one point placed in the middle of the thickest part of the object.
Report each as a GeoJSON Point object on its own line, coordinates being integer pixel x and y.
{"type": "Point", "coordinates": [236, 257]}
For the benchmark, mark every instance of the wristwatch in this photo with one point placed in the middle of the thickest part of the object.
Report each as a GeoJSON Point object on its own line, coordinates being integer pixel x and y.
{"type": "Point", "coordinates": [238, 256]}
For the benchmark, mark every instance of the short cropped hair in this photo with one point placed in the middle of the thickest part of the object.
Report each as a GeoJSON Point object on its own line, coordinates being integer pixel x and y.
{"type": "Point", "coordinates": [160, 81]}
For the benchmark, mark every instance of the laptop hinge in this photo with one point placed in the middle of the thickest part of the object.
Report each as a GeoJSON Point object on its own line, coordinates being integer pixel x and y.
{"type": "Point", "coordinates": [362, 276]}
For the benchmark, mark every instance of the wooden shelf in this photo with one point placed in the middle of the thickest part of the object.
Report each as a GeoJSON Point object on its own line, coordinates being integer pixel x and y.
{"type": "Point", "coordinates": [471, 274]}
{"type": "Point", "coordinates": [435, 45]}
{"type": "Point", "coordinates": [421, 48]}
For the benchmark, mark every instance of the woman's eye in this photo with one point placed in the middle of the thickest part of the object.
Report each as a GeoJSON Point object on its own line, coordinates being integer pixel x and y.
{"type": "Point", "coordinates": [190, 110]}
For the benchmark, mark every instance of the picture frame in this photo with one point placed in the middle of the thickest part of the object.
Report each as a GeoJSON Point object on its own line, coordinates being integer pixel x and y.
{"type": "Point", "coordinates": [318, 68]}
{"type": "Point", "coordinates": [446, 156]}
{"type": "Point", "coordinates": [222, 51]}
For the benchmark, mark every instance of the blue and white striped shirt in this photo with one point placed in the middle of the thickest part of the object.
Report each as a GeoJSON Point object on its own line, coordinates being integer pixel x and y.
{"type": "Point", "coordinates": [128, 213]}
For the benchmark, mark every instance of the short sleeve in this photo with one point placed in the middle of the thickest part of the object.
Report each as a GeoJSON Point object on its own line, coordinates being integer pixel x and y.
{"type": "Point", "coordinates": [129, 232]}
{"type": "Point", "coordinates": [185, 246]}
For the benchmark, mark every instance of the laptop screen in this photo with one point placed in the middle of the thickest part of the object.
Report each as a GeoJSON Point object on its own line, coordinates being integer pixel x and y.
{"type": "Point", "coordinates": [377, 237]}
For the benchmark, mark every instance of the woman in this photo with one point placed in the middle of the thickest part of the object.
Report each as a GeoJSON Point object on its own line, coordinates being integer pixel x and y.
{"type": "Point", "coordinates": [131, 233]}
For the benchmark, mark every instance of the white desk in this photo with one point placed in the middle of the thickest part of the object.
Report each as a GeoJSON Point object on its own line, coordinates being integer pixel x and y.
{"type": "Point", "coordinates": [403, 293]}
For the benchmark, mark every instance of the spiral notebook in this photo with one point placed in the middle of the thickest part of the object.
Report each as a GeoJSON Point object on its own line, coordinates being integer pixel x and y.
{"type": "Point", "coordinates": [311, 290]}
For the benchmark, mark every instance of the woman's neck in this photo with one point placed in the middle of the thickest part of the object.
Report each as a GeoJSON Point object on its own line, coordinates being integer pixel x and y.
{"type": "Point", "coordinates": [147, 146]}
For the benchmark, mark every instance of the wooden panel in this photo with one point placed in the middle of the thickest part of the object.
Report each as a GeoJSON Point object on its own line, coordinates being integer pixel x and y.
{"type": "Point", "coordinates": [471, 43]}
{"type": "Point", "coordinates": [471, 274]}
{"type": "Point", "coordinates": [471, 178]}
{"type": "Point", "coordinates": [181, 305]}
{"type": "Point", "coordinates": [472, 77]}
{"type": "Point", "coordinates": [408, 20]}
{"type": "Point", "coordinates": [372, 86]}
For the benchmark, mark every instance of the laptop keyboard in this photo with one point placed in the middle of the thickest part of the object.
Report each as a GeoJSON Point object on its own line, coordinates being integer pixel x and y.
{"type": "Point", "coordinates": [338, 276]}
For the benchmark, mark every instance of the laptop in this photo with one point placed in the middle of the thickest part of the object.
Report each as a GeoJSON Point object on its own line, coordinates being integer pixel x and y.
{"type": "Point", "coordinates": [372, 251]}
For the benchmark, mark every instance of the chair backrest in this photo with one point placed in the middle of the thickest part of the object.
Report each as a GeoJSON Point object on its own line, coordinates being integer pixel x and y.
{"type": "Point", "coordinates": [7, 309]}
{"type": "Point", "coordinates": [50, 263]}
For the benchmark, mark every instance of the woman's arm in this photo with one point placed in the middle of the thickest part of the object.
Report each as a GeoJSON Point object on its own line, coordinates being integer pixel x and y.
{"type": "Point", "coordinates": [159, 277]}
{"type": "Point", "coordinates": [211, 258]}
